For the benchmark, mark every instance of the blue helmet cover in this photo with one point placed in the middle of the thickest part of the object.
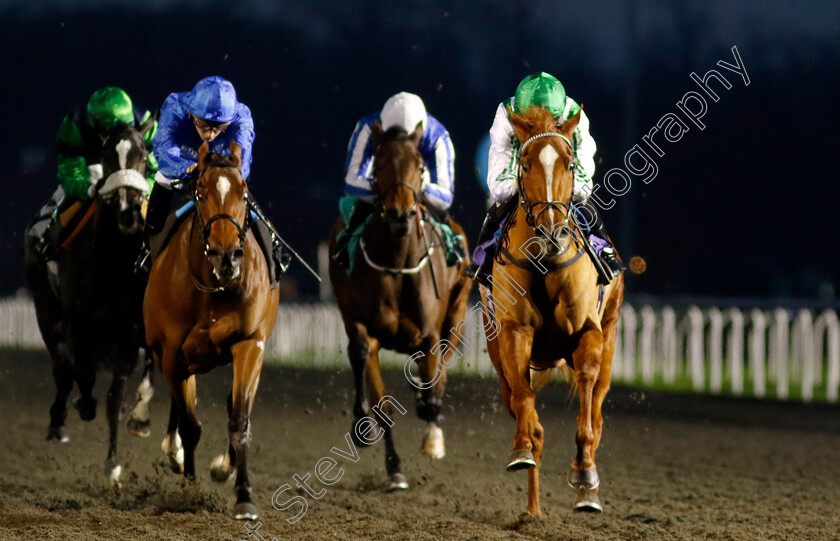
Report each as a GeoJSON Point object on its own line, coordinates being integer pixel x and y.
{"type": "Point", "coordinates": [214, 99]}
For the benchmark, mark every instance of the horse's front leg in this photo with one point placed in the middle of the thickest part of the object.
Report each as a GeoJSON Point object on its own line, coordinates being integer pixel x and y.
{"type": "Point", "coordinates": [358, 350]}
{"type": "Point", "coordinates": [383, 414]}
{"type": "Point", "coordinates": [63, 376]}
{"type": "Point", "coordinates": [430, 394]}
{"type": "Point", "coordinates": [588, 372]}
{"type": "Point", "coordinates": [112, 411]}
{"type": "Point", "coordinates": [139, 421]}
{"type": "Point", "coordinates": [224, 465]}
{"type": "Point", "coordinates": [515, 343]}
{"type": "Point", "coordinates": [247, 366]}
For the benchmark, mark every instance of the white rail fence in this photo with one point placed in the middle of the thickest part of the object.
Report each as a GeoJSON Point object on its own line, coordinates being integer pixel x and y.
{"type": "Point", "coordinates": [781, 353]}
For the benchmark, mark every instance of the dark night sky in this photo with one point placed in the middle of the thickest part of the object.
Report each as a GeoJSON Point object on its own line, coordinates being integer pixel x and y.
{"type": "Point", "coordinates": [745, 207]}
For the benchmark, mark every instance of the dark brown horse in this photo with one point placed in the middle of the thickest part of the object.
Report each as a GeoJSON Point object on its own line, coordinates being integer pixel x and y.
{"type": "Point", "coordinates": [88, 300]}
{"type": "Point", "coordinates": [209, 304]}
{"type": "Point", "coordinates": [547, 310]}
{"type": "Point", "coordinates": [389, 301]}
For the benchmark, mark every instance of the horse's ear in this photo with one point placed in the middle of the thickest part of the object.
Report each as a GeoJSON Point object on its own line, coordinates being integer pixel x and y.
{"type": "Point", "coordinates": [569, 127]}
{"type": "Point", "coordinates": [417, 134]}
{"type": "Point", "coordinates": [236, 154]}
{"type": "Point", "coordinates": [376, 133]}
{"type": "Point", "coordinates": [521, 127]}
{"type": "Point", "coordinates": [203, 152]}
{"type": "Point", "coordinates": [147, 124]}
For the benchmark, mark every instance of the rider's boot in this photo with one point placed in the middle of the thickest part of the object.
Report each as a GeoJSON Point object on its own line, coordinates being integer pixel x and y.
{"type": "Point", "coordinates": [271, 244]}
{"type": "Point", "coordinates": [442, 216]}
{"type": "Point", "coordinates": [601, 242]}
{"type": "Point", "coordinates": [156, 213]}
{"type": "Point", "coordinates": [482, 262]}
{"type": "Point", "coordinates": [340, 253]}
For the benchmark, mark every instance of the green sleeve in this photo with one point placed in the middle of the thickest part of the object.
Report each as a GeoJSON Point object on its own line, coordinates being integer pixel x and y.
{"type": "Point", "coordinates": [149, 137]}
{"type": "Point", "coordinates": [73, 175]}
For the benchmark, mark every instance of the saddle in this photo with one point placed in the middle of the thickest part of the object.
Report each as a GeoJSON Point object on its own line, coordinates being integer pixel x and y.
{"type": "Point", "coordinates": [277, 259]}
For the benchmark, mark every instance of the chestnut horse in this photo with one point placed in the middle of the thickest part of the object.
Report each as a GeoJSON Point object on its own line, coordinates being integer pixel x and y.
{"type": "Point", "coordinates": [88, 300]}
{"type": "Point", "coordinates": [208, 304]}
{"type": "Point", "coordinates": [546, 310]}
{"type": "Point", "coordinates": [391, 300]}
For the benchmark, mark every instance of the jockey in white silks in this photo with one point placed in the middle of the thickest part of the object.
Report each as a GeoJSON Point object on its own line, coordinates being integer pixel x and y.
{"type": "Point", "coordinates": [542, 90]}
{"type": "Point", "coordinates": [403, 111]}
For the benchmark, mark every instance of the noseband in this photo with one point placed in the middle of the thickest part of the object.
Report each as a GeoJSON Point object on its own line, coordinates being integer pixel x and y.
{"type": "Point", "coordinates": [204, 227]}
{"type": "Point", "coordinates": [378, 199]}
{"type": "Point", "coordinates": [563, 207]}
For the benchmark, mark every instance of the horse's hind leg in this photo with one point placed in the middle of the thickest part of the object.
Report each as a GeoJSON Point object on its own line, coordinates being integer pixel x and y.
{"type": "Point", "coordinates": [247, 365]}
{"type": "Point", "coordinates": [584, 474]}
{"type": "Point", "coordinates": [383, 414]}
{"type": "Point", "coordinates": [85, 374]}
{"type": "Point", "coordinates": [139, 421]}
{"type": "Point", "coordinates": [224, 465]}
{"type": "Point", "coordinates": [188, 426]}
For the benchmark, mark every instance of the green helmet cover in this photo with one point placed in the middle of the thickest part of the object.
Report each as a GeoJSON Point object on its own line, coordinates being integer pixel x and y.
{"type": "Point", "coordinates": [110, 106]}
{"type": "Point", "coordinates": [540, 89]}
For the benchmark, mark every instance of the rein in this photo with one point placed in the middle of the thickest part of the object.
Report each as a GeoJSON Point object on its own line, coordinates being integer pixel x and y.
{"type": "Point", "coordinates": [204, 228]}
{"type": "Point", "coordinates": [563, 207]}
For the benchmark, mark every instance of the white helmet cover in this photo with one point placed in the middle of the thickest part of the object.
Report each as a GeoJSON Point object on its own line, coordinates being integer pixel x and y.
{"type": "Point", "coordinates": [405, 110]}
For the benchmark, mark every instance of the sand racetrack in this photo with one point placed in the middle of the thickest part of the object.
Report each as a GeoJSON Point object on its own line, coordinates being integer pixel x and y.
{"type": "Point", "coordinates": [672, 467]}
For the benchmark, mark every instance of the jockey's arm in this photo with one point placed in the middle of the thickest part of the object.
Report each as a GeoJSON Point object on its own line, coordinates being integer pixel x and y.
{"type": "Point", "coordinates": [76, 176]}
{"type": "Point", "coordinates": [243, 134]}
{"type": "Point", "coordinates": [359, 163]}
{"type": "Point", "coordinates": [172, 159]}
{"type": "Point", "coordinates": [149, 139]}
{"type": "Point", "coordinates": [584, 153]}
{"type": "Point", "coordinates": [502, 163]}
{"type": "Point", "coordinates": [438, 178]}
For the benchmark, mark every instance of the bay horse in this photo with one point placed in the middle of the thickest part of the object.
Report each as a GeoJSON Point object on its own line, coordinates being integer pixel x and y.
{"type": "Point", "coordinates": [209, 304]}
{"type": "Point", "coordinates": [390, 299]}
{"type": "Point", "coordinates": [88, 300]}
{"type": "Point", "coordinates": [546, 310]}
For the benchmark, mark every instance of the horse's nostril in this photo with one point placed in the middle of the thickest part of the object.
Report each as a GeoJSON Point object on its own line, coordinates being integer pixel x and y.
{"type": "Point", "coordinates": [238, 253]}
{"type": "Point", "coordinates": [213, 253]}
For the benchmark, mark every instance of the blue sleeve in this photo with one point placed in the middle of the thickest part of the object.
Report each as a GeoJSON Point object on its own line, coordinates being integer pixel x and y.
{"type": "Point", "coordinates": [244, 136]}
{"type": "Point", "coordinates": [172, 160]}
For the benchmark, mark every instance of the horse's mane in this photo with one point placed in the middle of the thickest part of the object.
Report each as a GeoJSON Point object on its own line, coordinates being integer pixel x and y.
{"type": "Point", "coordinates": [216, 159]}
{"type": "Point", "coordinates": [395, 133]}
{"type": "Point", "coordinates": [540, 118]}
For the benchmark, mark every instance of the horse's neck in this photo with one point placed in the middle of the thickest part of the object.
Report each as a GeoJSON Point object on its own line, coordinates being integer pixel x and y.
{"type": "Point", "coordinates": [394, 251]}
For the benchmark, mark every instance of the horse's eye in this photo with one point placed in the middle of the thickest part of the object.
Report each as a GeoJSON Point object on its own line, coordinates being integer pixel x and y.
{"type": "Point", "coordinates": [524, 167]}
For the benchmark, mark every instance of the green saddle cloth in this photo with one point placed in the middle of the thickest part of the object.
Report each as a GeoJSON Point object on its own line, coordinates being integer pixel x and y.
{"type": "Point", "coordinates": [347, 205]}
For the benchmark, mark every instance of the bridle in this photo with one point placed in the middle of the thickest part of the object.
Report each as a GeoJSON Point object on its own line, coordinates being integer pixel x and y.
{"type": "Point", "coordinates": [563, 207]}
{"type": "Point", "coordinates": [204, 229]}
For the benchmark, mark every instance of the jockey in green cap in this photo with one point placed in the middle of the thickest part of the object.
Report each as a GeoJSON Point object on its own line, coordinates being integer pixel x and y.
{"type": "Point", "coordinates": [542, 90]}
{"type": "Point", "coordinates": [79, 147]}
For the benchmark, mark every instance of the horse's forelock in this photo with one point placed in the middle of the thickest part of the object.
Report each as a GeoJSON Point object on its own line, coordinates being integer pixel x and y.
{"type": "Point", "coordinates": [395, 133]}
{"type": "Point", "coordinates": [541, 118]}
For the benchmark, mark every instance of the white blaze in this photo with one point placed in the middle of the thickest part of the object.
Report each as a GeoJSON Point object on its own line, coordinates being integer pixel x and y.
{"type": "Point", "coordinates": [223, 187]}
{"type": "Point", "coordinates": [122, 149]}
{"type": "Point", "coordinates": [547, 157]}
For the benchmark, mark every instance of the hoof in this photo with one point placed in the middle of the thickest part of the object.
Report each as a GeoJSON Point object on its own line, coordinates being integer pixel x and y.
{"type": "Point", "coordinates": [86, 408]}
{"type": "Point", "coordinates": [588, 502]}
{"type": "Point", "coordinates": [113, 474]}
{"type": "Point", "coordinates": [584, 479]}
{"type": "Point", "coordinates": [56, 433]}
{"type": "Point", "coordinates": [433, 445]}
{"type": "Point", "coordinates": [521, 459]}
{"type": "Point", "coordinates": [245, 511]}
{"type": "Point", "coordinates": [396, 482]}
{"type": "Point", "coordinates": [220, 469]}
{"type": "Point", "coordinates": [174, 451]}
{"type": "Point", "coordinates": [138, 428]}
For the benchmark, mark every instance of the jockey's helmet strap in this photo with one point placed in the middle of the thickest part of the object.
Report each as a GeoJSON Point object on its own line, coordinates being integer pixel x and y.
{"type": "Point", "coordinates": [545, 134]}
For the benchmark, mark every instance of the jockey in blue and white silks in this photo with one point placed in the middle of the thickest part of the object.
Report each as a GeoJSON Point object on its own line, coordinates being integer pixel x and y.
{"type": "Point", "coordinates": [210, 113]}
{"type": "Point", "coordinates": [406, 111]}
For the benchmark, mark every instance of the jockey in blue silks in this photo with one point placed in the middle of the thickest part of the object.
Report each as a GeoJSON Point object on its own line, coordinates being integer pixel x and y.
{"type": "Point", "coordinates": [209, 113]}
{"type": "Point", "coordinates": [405, 111]}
